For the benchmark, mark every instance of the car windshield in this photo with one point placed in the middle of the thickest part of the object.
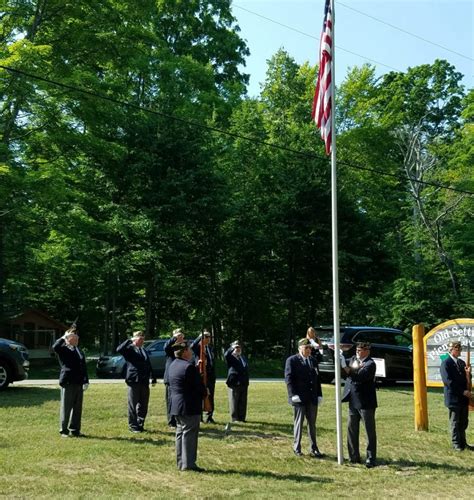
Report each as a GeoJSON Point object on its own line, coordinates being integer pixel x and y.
{"type": "Point", "coordinates": [326, 335]}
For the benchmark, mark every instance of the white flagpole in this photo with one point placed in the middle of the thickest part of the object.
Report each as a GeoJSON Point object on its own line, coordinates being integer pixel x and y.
{"type": "Point", "coordinates": [335, 263]}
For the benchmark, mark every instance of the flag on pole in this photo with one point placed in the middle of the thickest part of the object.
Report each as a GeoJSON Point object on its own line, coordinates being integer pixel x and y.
{"type": "Point", "coordinates": [322, 97]}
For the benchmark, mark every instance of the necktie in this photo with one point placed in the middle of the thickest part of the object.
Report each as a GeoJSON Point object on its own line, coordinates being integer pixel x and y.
{"type": "Point", "coordinates": [308, 363]}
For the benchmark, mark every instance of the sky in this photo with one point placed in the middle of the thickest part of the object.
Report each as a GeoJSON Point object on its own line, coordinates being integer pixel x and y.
{"type": "Point", "coordinates": [447, 27]}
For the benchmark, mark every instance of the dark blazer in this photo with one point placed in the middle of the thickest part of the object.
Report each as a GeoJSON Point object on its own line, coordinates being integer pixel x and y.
{"type": "Point", "coordinates": [455, 382]}
{"type": "Point", "coordinates": [169, 357]}
{"type": "Point", "coordinates": [359, 389]}
{"type": "Point", "coordinates": [238, 373]}
{"type": "Point", "coordinates": [302, 381]}
{"type": "Point", "coordinates": [73, 366]}
{"type": "Point", "coordinates": [139, 369]}
{"type": "Point", "coordinates": [210, 360]}
{"type": "Point", "coordinates": [186, 388]}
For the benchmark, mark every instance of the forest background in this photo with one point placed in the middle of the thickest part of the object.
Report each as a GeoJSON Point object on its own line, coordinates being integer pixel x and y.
{"type": "Point", "coordinates": [141, 188]}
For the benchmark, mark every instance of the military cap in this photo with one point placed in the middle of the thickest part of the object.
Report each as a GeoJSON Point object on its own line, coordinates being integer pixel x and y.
{"type": "Point", "coordinates": [304, 342]}
{"type": "Point", "coordinates": [363, 345]}
{"type": "Point", "coordinates": [179, 346]}
{"type": "Point", "coordinates": [205, 333]}
{"type": "Point", "coordinates": [235, 344]}
{"type": "Point", "coordinates": [138, 334]}
{"type": "Point", "coordinates": [454, 344]}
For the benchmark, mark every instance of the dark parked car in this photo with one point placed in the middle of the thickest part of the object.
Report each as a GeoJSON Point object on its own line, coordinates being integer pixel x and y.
{"type": "Point", "coordinates": [390, 344]}
{"type": "Point", "coordinates": [14, 363]}
{"type": "Point", "coordinates": [114, 366]}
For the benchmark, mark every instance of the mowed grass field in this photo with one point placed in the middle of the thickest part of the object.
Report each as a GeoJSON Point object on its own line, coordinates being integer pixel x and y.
{"type": "Point", "coordinates": [254, 461]}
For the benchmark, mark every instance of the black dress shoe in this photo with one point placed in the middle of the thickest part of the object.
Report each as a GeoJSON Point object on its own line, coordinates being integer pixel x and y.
{"type": "Point", "coordinates": [355, 461]}
{"type": "Point", "coordinates": [196, 468]}
{"type": "Point", "coordinates": [78, 434]}
{"type": "Point", "coordinates": [458, 448]}
{"type": "Point", "coordinates": [469, 447]}
{"type": "Point", "coordinates": [316, 454]}
{"type": "Point", "coordinates": [370, 464]}
{"type": "Point", "coordinates": [210, 420]}
{"type": "Point", "coordinates": [298, 453]}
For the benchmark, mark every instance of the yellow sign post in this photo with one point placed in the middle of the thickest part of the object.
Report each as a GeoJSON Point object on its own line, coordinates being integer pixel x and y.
{"type": "Point", "coordinates": [419, 379]}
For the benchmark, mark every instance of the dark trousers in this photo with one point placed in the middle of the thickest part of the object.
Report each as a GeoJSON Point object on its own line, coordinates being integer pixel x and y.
{"type": "Point", "coordinates": [238, 403]}
{"type": "Point", "coordinates": [70, 413]}
{"type": "Point", "coordinates": [138, 397]}
{"type": "Point", "coordinates": [353, 425]}
{"type": "Point", "coordinates": [211, 385]}
{"type": "Point", "coordinates": [187, 431]}
{"type": "Point", "coordinates": [458, 422]}
{"type": "Point", "coordinates": [310, 412]}
{"type": "Point", "coordinates": [170, 418]}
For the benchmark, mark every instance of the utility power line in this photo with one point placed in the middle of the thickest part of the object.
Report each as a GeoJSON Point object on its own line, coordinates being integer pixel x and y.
{"type": "Point", "coordinates": [306, 154]}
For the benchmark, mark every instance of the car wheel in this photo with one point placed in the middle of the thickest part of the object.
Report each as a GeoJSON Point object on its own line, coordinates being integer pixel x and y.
{"type": "Point", "coordinates": [4, 375]}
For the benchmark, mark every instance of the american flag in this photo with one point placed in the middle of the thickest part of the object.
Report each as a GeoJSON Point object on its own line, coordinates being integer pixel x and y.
{"type": "Point", "coordinates": [322, 96]}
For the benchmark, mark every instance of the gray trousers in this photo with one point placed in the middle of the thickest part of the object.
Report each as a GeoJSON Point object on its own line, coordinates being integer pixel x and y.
{"type": "Point", "coordinates": [170, 418]}
{"type": "Point", "coordinates": [187, 431]}
{"type": "Point", "coordinates": [70, 413]}
{"type": "Point", "coordinates": [310, 411]}
{"type": "Point", "coordinates": [138, 397]}
{"type": "Point", "coordinates": [238, 403]}
{"type": "Point", "coordinates": [458, 422]}
{"type": "Point", "coordinates": [353, 425]}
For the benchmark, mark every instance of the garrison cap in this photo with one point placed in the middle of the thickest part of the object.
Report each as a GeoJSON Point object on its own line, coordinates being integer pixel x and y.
{"type": "Point", "coordinates": [363, 345]}
{"type": "Point", "coordinates": [454, 344]}
{"type": "Point", "coordinates": [303, 342]}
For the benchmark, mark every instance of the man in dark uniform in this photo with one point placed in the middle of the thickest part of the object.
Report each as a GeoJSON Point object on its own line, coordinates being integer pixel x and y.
{"type": "Point", "coordinates": [359, 392]}
{"type": "Point", "coordinates": [176, 338]}
{"type": "Point", "coordinates": [237, 382]}
{"type": "Point", "coordinates": [304, 394]}
{"type": "Point", "coordinates": [73, 380]}
{"type": "Point", "coordinates": [455, 373]}
{"type": "Point", "coordinates": [205, 338]}
{"type": "Point", "coordinates": [139, 372]}
{"type": "Point", "coordinates": [186, 392]}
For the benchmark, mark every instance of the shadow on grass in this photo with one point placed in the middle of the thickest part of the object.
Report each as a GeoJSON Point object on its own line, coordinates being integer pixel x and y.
{"type": "Point", "coordinates": [431, 466]}
{"type": "Point", "coordinates": [271, 475]}
{"type": "Point", "coordinates": [125, 439]}
{"type": "Point", "coordinates": [28, 396]}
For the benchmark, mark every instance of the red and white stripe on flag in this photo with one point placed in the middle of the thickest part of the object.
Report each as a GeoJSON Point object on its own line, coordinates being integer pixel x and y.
{"type": "Point", "coordinates": [322, 97]}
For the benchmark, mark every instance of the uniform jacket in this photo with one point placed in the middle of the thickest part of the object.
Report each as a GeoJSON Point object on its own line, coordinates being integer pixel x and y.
{"type": "Point", "coordinates": [238, 372]}
{"type": "Point", "coordinates": [455, 382]}
{"type": "Point", "coordinates": [302, 380]}
{"type": "Point", "coordinates": [186, 388]}
{"type": "Point", "coordinates": [359, 389]}
{"type": "Point", "coordinates": [73, 365]}
{"type": "Point", "coordinates": [139, 369]}
{"type": "Point", "coordinates": [210, 359]}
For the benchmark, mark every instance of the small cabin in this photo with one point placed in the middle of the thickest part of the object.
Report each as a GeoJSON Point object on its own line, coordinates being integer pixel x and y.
{"type": "Point", "coordinates": [36, 330]}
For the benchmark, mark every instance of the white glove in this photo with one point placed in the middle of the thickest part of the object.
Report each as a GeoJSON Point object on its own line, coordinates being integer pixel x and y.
{"type": "Point", "coordinates": [342, 360]}
{"type": "Point", "coordinates": [320, 400]}
{"type": "Point", "coordinates": [313, 343]}
{"type": "Point", "coordinates": [85, 387]}
{"type": "Point", "coordinates": [296, 399]}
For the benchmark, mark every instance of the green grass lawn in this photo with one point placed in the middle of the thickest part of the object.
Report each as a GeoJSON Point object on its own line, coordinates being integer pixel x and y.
{"type": "Point", "coordinates": [254, 461]}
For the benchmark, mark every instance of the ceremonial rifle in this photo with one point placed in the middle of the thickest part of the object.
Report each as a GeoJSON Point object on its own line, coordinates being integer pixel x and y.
{"type": "Point", "coordinates": [469, 374]}
{"type": "Point", "coordinates": [206, 404]}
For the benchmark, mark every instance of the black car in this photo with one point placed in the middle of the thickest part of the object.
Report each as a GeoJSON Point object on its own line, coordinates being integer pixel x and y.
{"type": "Point", "coordinates": [389, 344]}
{"type": "Point", "coordinates": [14, 363]}
{"type": "Point", "coordinates": [114, 366]}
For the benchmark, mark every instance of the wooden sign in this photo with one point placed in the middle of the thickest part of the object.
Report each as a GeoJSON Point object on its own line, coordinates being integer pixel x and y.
{"type": "Point", "coordinates": [436, 346]}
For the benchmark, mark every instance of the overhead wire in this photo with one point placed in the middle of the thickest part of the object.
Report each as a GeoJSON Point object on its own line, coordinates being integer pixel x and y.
{"type": "Point", "coordinates": [313, 37]}
{"type": "Point", "coordinates": [414, 35]}
{"type": "Point", "coordinates": [253, 140]}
